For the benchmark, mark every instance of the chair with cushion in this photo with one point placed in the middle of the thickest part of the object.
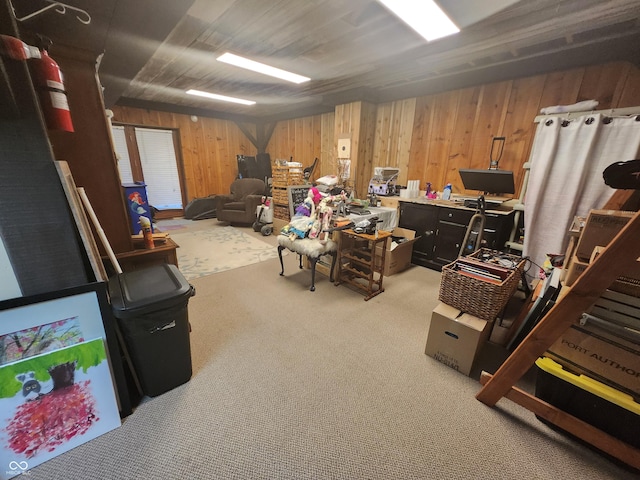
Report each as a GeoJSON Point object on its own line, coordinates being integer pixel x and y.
{"type": "Point", "coordinates": [313, 249]}
{"type": "Point", "coordinates": [240, 206]}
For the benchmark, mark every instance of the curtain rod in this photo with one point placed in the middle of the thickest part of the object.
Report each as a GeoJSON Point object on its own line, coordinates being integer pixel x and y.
{"type": "Point", "coordinates": [609, 112]}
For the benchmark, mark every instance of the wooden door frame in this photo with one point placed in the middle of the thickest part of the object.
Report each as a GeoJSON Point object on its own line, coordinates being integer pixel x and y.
{"type": "Point", "coordinates": [136, 164]}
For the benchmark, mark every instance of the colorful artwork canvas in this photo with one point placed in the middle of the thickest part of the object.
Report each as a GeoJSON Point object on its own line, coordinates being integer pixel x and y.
{"type": "Point", "coordinates": [53, 402]}
{"type": "Point", "coordinates": [39, 339]}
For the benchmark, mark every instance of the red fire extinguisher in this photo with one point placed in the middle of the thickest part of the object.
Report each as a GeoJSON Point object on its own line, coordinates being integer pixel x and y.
{"type": "Point", "coordinates": [53, 97]}
{"type": "Point", "coordinates": [47, 78]}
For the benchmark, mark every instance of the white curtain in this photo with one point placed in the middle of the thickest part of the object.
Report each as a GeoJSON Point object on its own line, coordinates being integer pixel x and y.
{"type": "Point", "coordinates": [567, 160]}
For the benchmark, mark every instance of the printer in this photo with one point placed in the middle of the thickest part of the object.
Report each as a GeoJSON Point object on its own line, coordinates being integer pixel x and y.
{"type": "Point", "coordinates": [383, 182]}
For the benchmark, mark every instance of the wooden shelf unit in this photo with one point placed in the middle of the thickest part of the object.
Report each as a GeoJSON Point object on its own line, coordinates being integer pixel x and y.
{"type": "Point", "coordinates": [361, 262]}
{"type": "Point", "coordinates": [590, 285]}
{"type": "Point", "coordinates": [283, 177]}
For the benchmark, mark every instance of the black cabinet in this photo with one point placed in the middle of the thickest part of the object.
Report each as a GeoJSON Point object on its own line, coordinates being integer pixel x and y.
{"type": "Point", "coordinates": [449, 237]}
{"type": "Point", "coordinates": [442, 228]}
{"type": "Point", "coordinates": [423, 219]}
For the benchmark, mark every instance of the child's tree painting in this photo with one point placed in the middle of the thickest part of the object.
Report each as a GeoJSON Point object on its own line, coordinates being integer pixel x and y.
{"type": "Point", "coordinates": [53, 402]}
{"type": "Point", "coordinates": [39, 339]}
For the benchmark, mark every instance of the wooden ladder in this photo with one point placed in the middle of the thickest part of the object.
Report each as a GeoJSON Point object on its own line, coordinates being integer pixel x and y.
{"type": "Point", "coordinates": [600, 274]}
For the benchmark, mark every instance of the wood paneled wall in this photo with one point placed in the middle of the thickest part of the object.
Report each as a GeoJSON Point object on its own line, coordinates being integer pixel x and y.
{"type": "Point", "coordinates": [208, 147]}
{"type": "Point", "coordinates": [299, 139]}
{"type": "Point", "coordinates": [455, 129]}
{"type": "Point", "coordinates": [356, 121]}
{"type": "Point", "coordinates": [392, 138]}
{"type": "Point", "coordinates": [429, 137]}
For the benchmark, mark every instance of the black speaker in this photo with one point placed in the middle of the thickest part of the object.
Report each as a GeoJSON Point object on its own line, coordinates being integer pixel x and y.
{"type": "Point", "coordinates": [263, 164]}
{"type": "Point", "coordinates": [246, 166]}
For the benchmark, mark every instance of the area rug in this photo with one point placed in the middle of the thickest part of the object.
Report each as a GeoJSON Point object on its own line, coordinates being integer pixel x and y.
{"type": "Point", "coordinates": [173, 224]}
{"type": "Point", "coordinates": [214, 250]}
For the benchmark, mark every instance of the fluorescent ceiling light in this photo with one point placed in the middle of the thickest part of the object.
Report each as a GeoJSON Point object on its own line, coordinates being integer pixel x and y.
{"type": "Point", "coordinates": [261, 68]}
{"type": "Point", "coordinates": [215, 96]}
{"type": "Point", "coordinates": [424, 16]}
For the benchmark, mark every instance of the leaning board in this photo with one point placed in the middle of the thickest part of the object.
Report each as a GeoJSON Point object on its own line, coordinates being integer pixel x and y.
{"type": "Point", "coordinates": [296, 195]}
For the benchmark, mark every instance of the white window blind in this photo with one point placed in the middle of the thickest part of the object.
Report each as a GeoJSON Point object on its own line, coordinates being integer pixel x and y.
{"type": "Point", "coordinates": [160, 168]}
{"type": "Point", "coordinates": [120, 146]}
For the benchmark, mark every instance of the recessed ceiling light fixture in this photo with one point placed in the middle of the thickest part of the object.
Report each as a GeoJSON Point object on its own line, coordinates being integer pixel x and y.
{"type": "Point", "coordinates": [424, 16]}
{"type": "Point", "coordinates": [224, 98]}
{"type": "Point", "coordinates": [242, 62]}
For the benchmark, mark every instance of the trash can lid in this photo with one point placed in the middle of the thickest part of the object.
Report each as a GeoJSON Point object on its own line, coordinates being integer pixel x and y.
{"type": "Point", "coordinates": [147, 290]}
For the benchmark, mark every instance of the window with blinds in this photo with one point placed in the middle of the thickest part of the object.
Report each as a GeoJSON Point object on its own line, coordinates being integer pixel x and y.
{"type": "Point", "coordinates": [122, 154]}
{"type": "Point", "coordinates": [159, 165]}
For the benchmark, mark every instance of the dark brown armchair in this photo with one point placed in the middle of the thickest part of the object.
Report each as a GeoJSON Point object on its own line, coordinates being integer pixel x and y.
{"type": "Point", "coordinates": [240, 206]}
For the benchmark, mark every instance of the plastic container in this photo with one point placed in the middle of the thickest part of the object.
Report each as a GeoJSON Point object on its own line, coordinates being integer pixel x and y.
{"type": "Point", "coordinates": [150, 306]}
{"type": "Point", "coordinates": [446, 193]}
{"type": "Point", "coordinates": [606, 408]}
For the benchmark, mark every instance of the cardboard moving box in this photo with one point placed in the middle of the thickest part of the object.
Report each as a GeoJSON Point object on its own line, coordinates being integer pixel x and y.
{"type": "Point", "coordinates": [456, 338]}
{"type": "Point", "coordinates": [398, 255]}
{"type": "Point", "coordinates": [601, 355]}
{"type": "Point", "coordinates": [576, 267]}
{"type": "Point", "coordinates": [628, 282]}
{"type": "Point", "coordinates": [600, 228]}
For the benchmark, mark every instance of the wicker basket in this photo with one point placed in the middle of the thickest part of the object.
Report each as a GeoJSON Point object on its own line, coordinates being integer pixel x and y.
{"type": "Point", "coordinates": [284, 176]}
{"type": "Point", "coordinates": [476, 296]}
{"type": "Point", "coordinates": [279, 196]}
{"type": "Point", "coordinates": [281, 212]}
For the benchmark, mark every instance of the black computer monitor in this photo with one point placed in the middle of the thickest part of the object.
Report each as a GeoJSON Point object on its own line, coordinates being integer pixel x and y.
{"type": "Point", "coordinates": [488, 181]}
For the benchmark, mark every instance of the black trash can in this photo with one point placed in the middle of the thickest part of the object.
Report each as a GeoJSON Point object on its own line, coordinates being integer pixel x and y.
{"type": "Point", "coordinates": [150, 306]}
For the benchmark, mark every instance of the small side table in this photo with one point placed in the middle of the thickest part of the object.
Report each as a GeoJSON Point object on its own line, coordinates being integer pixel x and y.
{"type": "Point", "coordinates": [144, 257]}
{"type": "Point", "coordinates": [359, 263]}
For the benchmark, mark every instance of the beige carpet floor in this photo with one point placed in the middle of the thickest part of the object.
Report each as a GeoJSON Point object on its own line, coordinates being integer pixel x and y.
{"type": "Point", "coordinates": [293, 384]}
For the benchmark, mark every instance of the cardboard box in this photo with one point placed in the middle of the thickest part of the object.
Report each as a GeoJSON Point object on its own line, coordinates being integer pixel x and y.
{"type": "Point", "coordinates": [398, 255]}
{"type": "Point", "coordinates": [600, 228]}
{"type": "Point", "coordinates": [630, 271]}
{"type": "Point", "coordinates": [601, 355]}
{"type": "Point", "coordinates": [278, 223]}
{"type": "Point", "coordinates": [628, 282]}
{"type": "Point", "coordinates": [456, 338]}
{"type": "Point", "coordinates": [576, 267]}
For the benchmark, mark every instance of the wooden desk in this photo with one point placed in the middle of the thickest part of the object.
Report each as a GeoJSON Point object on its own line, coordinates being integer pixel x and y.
{"type": "Point", "coordinates": [359, 263]}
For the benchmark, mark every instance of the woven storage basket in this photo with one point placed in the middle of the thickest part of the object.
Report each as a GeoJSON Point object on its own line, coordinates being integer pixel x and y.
{"type": "Point", "coordinates": [475, 296]}
{"type": "Point", "coordinates": [284, 176]}
{"type": "Point", "coordinates": [279, 196]}
{"type": "Point", "coordinates": [281, 212]}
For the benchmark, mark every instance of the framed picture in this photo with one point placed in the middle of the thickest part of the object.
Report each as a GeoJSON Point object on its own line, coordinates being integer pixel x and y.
{"type": "Point", "coordinates": [35, 333]}
{"type": "Point", "coordinates": [53, 402]}
{"type": "Point", "coordinates": [37, 324]}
